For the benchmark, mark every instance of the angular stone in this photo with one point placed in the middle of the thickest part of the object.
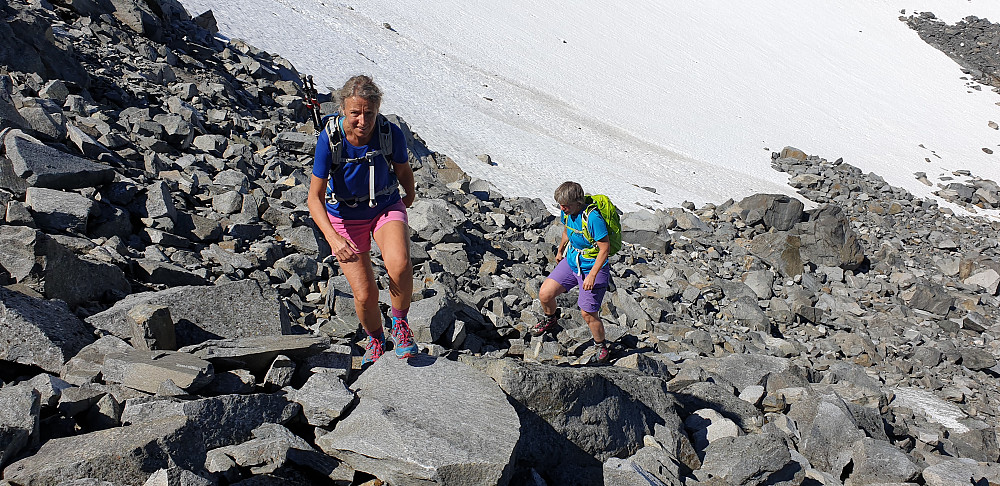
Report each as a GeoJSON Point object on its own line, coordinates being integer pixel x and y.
{"type": "Point", "coordinates": [751, 460]}
{"type": "Point", "coordinates": [780, 250]}
{"type": "Point", "coordinates": [20, 406]}
{"type": "Point", "coordinates": [960, 471]}
{"type": "Point", "coordinates": [39, 333]}
{"type": "Point", "coordinates": [324, 398]}
{"type": "Point", "coordinates": [176, 476]}
{"type": "Point", "coordinates": [21, 249]}
{"type": "Point", "coordinates": [159, 203]}
{"type": "Point", "coordinates": [987, 280]}
{"type": "Point", "coordinates": [232, 382]}
{"type": "Point", "coordinates": [931, 408]}
{"type": "Point", "coordinates": [706, 426]}
{"type": "Point", "coordinates": [744, 370]}
{"type": "Point", "coordinates": [977, 359]}
{"type": "Point", "coordinates": [120, 455]}
{"type": "Point", "coordinates": [78, 281]}
{"type": "Point", "coordinates": [711, 395]}
{"type": "Point", "coordinates": [152, 327]}
{"type": "Point", "coordinates": [59, 211]}
{"type": "Point", "coordinates": [42, 166]}
{"type": "Point", "coordinates": [87, 365]}
{"type": "Point", "coordinates": [147, 370]}
{"type": "Point", "coordinates": [829, 239]}
{"type": "Point", "coordinates": [828, 434]}
{"type": "Point", "coordinates": [776, 211]}
{"type": "Point", "coordinates": [157, 272]}
{"type": "Point", "coordinates": [574, 419]}
{"type": "Point", "coordinates": [296, 142]}
{"type": "Point", "coordinates": [878, 461]}
{"type": "Point", "coordinates": [644, 228]}
{"type": "Point", "coordinates": [201, 313]}
{"type": "Point", "coordinates": [279, 374]}
{"type": "Point", "coordinates": [257, 353]}
{"type": "Point", "coordinates": [470, 442]}
{"type": "Point", "coordinates": [932, 298]}
{"type": "Point", "coordinates": [226, 420]}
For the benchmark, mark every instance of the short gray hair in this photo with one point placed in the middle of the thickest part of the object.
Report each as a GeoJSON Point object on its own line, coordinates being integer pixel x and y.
{"type": "Point", "coordinates": [568, 193]}
{"type": "Point", "coordinates": [361, 86]}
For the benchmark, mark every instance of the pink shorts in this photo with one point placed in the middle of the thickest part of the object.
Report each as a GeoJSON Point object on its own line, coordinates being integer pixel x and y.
{"type": "Point", "coordinates": [360, 231]}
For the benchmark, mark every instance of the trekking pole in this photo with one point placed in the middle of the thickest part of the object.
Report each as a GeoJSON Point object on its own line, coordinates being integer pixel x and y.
{"type": "Point", "coordinates": [311, 99]}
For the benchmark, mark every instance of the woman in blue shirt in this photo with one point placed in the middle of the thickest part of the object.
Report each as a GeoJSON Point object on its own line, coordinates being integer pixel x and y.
{"type": "Point", "coordinates": [354, 197]}
{"type": "Point", "coordinates": [579, 265]}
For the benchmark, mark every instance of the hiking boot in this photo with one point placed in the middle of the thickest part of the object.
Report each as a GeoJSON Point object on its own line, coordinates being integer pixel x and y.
{"type": "Point", "coordinates": [547, 324]}
{"type": "Point", "coordinates": [374, 349]}
{"type": "Point", "coordinates": [603, 353]}
{"type": "Point", "coordinates": [402, 338]}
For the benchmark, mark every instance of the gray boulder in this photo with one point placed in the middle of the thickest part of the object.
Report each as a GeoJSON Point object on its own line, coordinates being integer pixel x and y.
{"type": "Point", "coordinates": [929, 297]}
{"type": "Point", "coordinates": [469, 442]}
{"type": "Point", "coordinates": [828, 239]}
{"type": "Point", "coordinates": [39, 333]}
{"type": "Point", "coordinates": [120, 455]}
{"type": "Point", "coordinates": [19, 414]}
{"type": "Point", "coordinates": [574, 419]}
{"type": "Point", "coordinates": [77, 281]}
{"type": "Point", "coordinates": [59, 211]}
{"type": "Point", "coordinates": [776, 211]}
{"type": "Point", "coordinates": [224, 420]}
{"type": "Point", "coordinates": [644, 228]}
{"type": "Point", "coordinates": [324, 398]}
{"type": "Point", "coordinates": [256, 354]}
{"type": "Point", "coordinates": [42, 166]}
{"type": "Point", "coordinates": [878, 461]}
{"type": "Point", "coordinates": [828, 432]}
{"type": "Point", "coordinates": [750, 460]}
{"type": "Point", "coordinates": [147, 370]}
{"type": "Point", "coordinates": [21, 251]}
{"type": "Point", "coordinates": [780, 250]}
{"type": "Point", "coordinates": [201, 313]}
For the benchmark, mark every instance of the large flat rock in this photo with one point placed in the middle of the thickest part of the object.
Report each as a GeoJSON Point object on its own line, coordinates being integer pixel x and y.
{"type": "Point", "coordinates": [39, 333]}
{"type": "Point", "coordinates": [257, 353]}
{"type": "Point", "coordinates": [437, 422]}
{"type": "Point", "coordinates": [201, 313]}
{"type": "Point", "coordinates": [120, 455]}
{"type": "Point", "coordinates": [43, 166]}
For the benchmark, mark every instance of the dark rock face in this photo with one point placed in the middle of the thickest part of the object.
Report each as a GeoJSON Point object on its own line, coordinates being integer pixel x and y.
{"type": "Point", "coordinates": [39, 333]}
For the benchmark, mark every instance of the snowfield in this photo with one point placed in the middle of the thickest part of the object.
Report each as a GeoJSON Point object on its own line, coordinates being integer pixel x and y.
{"type": "Point", "coordinates": [652, 103]}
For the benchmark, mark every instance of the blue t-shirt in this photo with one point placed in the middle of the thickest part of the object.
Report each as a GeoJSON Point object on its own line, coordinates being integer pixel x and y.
{"type": "Point", "coordinates": [577, 242]}
{"type": "Point", "coordinates": [351, 179]}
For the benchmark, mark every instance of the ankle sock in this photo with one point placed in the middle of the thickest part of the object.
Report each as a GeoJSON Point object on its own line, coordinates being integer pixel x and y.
{"type": "Point", "coordinates": [399, 313]}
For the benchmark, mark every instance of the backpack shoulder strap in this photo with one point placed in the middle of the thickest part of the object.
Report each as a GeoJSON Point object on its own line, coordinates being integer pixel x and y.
{"type": "Point", "coordinates": [334, 134]}
{"type": "Point", "coordinates": [385, 137]}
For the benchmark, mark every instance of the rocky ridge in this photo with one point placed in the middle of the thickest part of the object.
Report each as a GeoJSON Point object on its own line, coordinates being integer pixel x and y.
{"type": "Point", "coordinates": [169, 315]}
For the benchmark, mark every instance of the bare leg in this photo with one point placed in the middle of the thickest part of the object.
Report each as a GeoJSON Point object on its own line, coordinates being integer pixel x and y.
{"type": "Point", "coordinates": [362, 280]}
{"type": "Point", "coordinates": [393, 238]}
{"type": "Point", "coordinates": [596, 326]}
{"type": "Point", "coordinates": [547, 295]}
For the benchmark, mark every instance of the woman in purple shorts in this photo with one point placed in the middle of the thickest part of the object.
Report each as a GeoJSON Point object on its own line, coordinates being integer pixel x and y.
{"type": "Point", "coordinates": [583, 265]}
{"type": "Point", "coordinates": [354, 197]}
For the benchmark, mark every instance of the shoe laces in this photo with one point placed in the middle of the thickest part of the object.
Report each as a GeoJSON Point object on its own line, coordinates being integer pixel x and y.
{"type": "Point", "coordinates": [401, 329]}
{"type": "Point", "coordinates": [375, 347]}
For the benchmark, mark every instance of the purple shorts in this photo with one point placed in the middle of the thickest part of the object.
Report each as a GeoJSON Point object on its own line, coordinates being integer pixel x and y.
{"type": "Point", "coordinates": [589, 300]}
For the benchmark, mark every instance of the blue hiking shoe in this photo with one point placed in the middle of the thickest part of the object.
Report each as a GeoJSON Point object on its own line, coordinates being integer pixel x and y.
{"type": "Point", "coordinates": [374, 349]}
{"type": "Point", "coordinates": [402, 338]}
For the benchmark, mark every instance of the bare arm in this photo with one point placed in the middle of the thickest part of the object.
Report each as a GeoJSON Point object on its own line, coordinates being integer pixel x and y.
{"type": "Point", "coordinates": [603, 249]}
{"type": "Point", "coordinates": [342, 249]}
{"type": "Point", "coordinates": [561, 251]}
{"type": "Point", "coordinates": [405, 176]}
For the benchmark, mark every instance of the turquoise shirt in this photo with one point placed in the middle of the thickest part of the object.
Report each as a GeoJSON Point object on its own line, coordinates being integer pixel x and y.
{"type": "Point", "coordinates": [598, 229]}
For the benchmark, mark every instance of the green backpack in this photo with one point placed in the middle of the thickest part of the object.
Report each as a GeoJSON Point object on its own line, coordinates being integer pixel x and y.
{"type": "Point", "coordinates": [603, 205]}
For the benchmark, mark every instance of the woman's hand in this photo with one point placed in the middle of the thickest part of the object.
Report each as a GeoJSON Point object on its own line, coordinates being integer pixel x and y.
{"type": "Point", "coordinates": [588, 283]}
{"type": "Point", "coordinates": [408, 199]}
{"type": "Point", "coordinates": [343, 249]}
